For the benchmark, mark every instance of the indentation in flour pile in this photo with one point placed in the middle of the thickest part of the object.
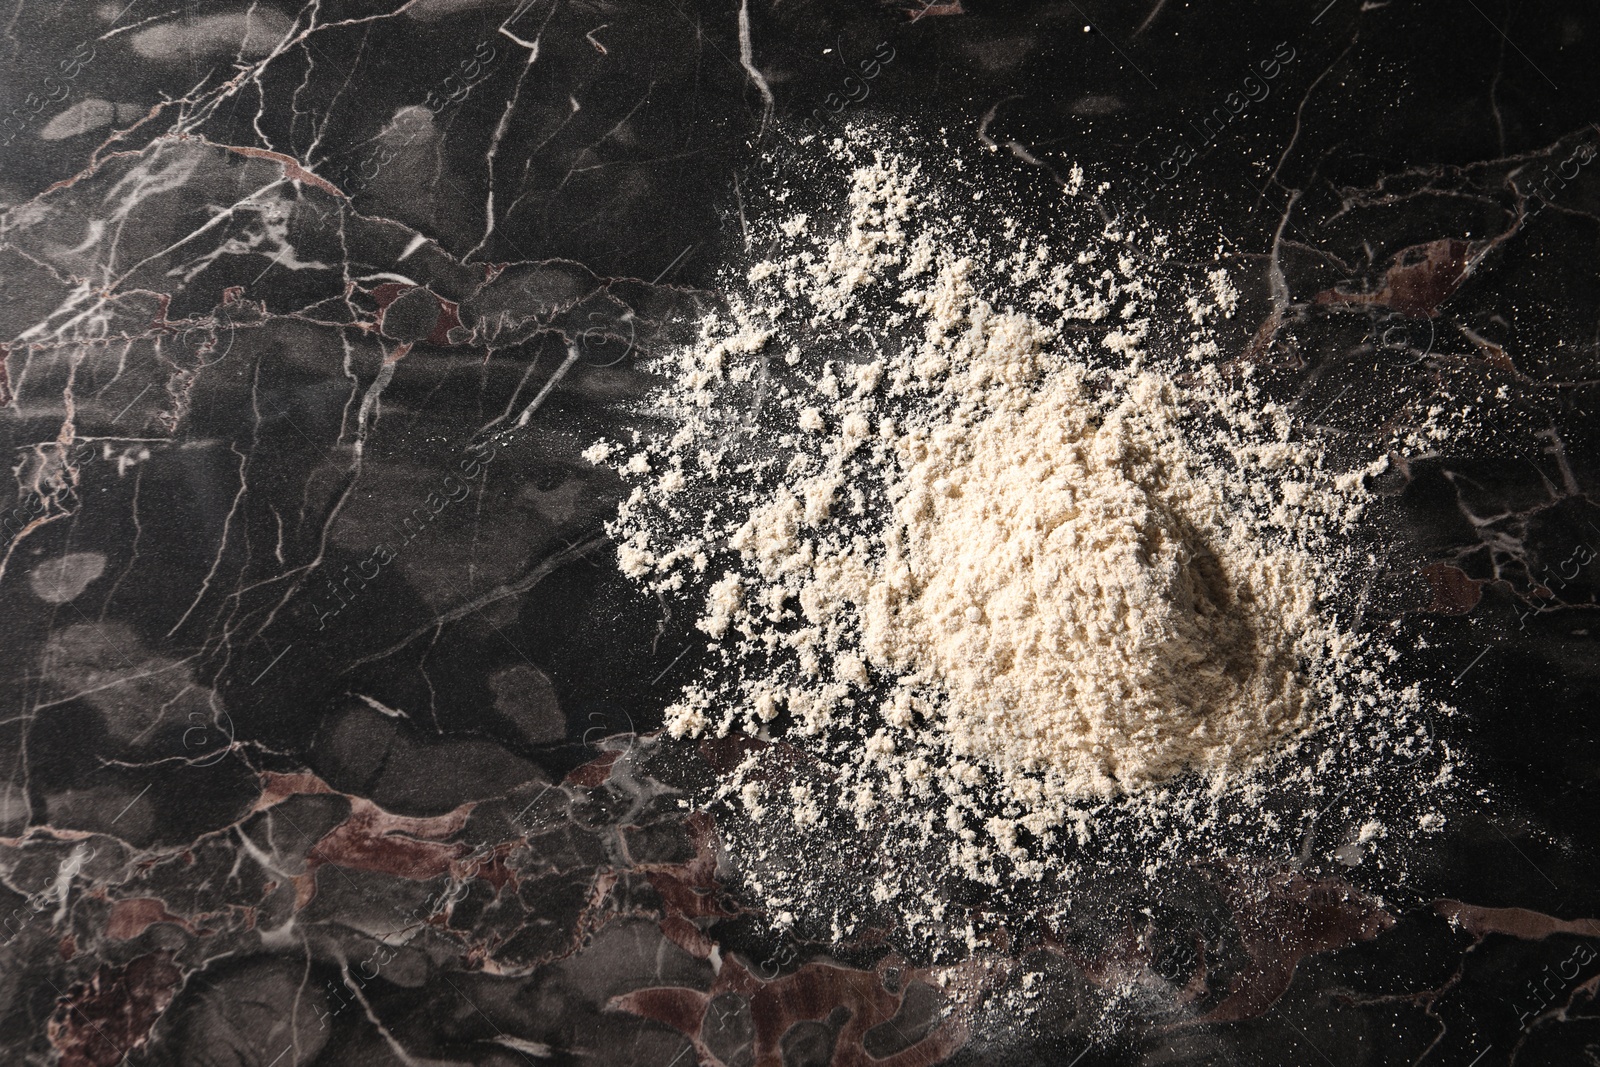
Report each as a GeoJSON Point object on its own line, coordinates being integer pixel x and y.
{"type": "Point", "coordinates": [974, 525]}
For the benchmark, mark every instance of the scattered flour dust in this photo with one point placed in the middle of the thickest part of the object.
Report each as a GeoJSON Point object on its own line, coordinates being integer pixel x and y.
{"type": "Point", "coordinates": [982, 539]}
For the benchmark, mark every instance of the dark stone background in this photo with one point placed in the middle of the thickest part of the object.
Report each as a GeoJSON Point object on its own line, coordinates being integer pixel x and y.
{"type": "Point", "coordinates": [322, 697]}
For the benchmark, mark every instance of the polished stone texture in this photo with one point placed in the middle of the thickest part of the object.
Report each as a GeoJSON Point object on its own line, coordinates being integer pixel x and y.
{"type": "Point", "coordinates": [327, 729]}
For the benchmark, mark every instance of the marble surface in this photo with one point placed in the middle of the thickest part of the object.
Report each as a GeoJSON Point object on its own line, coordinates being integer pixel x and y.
{"type": "Point", "coordinates": [328, 722]}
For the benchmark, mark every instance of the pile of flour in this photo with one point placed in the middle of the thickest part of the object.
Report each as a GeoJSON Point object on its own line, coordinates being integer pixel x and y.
{"type": "Point", "coordinates": [978, 525]}
{"type": "Point", "coordinates": [1071, 574]}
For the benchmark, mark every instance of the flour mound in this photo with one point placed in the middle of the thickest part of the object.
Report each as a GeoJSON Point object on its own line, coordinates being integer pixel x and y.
{"type": "Point", "coordinates": [1071, 580]}
{"type": "Point", "coordinates": [1005, 575]}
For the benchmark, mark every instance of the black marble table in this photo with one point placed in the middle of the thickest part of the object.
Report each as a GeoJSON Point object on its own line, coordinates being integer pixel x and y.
{"type": "Point", "coordinates": [328, 730]}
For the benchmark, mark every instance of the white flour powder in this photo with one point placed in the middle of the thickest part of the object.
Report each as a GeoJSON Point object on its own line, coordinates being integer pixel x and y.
{"type": "Point", "coordinates": [1072, 578]}
{"type": "Point", "coordinates": [978, 524]}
